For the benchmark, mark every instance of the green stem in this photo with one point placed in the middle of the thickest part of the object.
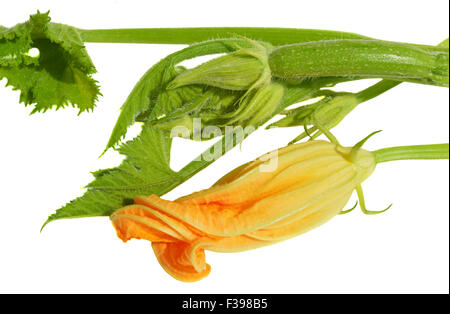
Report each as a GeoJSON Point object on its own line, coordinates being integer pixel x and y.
{"type": "Point", "coordinates": [433, 151]}
{"type": "Point", "coordinates": [362, 58]}
{"type": "Point", "coordinates": [275, 36]}
{"type": "Point", "coordinates": [217, 150]}
{"type": "Point", "coordinates": [376, 90]}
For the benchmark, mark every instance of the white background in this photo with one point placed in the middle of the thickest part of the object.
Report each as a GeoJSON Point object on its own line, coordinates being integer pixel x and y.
{"type": "Point", "coordinates": [46, 159]}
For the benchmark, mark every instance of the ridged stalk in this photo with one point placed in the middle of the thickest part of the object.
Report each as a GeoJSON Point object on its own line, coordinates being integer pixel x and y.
{"type": "Point", "coordinates": [362, 58]}
{"type": "Point", "coordinates": [434, 151]}
{"type": "Point", "coordinates": [190, 35]}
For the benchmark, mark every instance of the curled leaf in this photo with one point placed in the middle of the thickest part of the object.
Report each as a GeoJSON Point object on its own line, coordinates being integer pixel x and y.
{"type": "Point", "coordinates": [48, 63]}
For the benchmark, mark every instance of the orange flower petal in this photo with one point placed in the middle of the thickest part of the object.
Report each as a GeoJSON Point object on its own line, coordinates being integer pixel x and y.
{"type": "Point", "coordinates": [183, 261]}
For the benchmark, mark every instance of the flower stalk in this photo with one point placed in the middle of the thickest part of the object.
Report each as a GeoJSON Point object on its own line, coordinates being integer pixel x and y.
{"type": "Point", "coordinates": [421, 152]}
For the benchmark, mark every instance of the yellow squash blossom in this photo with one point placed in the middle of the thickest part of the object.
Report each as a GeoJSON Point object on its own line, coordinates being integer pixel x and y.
{"type": "Point", "coordinates": [247, 208]}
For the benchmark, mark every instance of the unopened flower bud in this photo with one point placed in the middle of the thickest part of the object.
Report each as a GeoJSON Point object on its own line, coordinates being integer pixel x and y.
{"type": "Point", "coordinates": [255, 108]}
{"type": "Point", "coordinates": [239, 70]}
{"type": "Point", "coordinates": [329, 111]}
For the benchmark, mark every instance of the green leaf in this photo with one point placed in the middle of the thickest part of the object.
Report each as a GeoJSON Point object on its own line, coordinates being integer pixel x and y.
{"type": "Point", "coordinates": [145, 170]}
{"type": "Point", "coordinates": [58, 76]}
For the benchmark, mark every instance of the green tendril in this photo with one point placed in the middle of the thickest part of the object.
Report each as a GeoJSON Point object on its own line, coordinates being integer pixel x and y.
{"type": "Point", "coordinates": [343, 212]}
{"type": "Point", "coordinates": [362, 203]}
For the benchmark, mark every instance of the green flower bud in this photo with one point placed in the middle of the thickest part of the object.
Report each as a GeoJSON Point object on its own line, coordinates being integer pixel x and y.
{"type": "Point", "coordinates": [254, 109]}
{"type": "Point", "coordinates": [243, 69]}
{"type": "Point", "coordinates": [329, 111]}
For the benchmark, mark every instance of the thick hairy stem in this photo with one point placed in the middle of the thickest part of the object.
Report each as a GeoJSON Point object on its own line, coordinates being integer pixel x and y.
{"type": "Point", "coordinates": [362, 58]}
